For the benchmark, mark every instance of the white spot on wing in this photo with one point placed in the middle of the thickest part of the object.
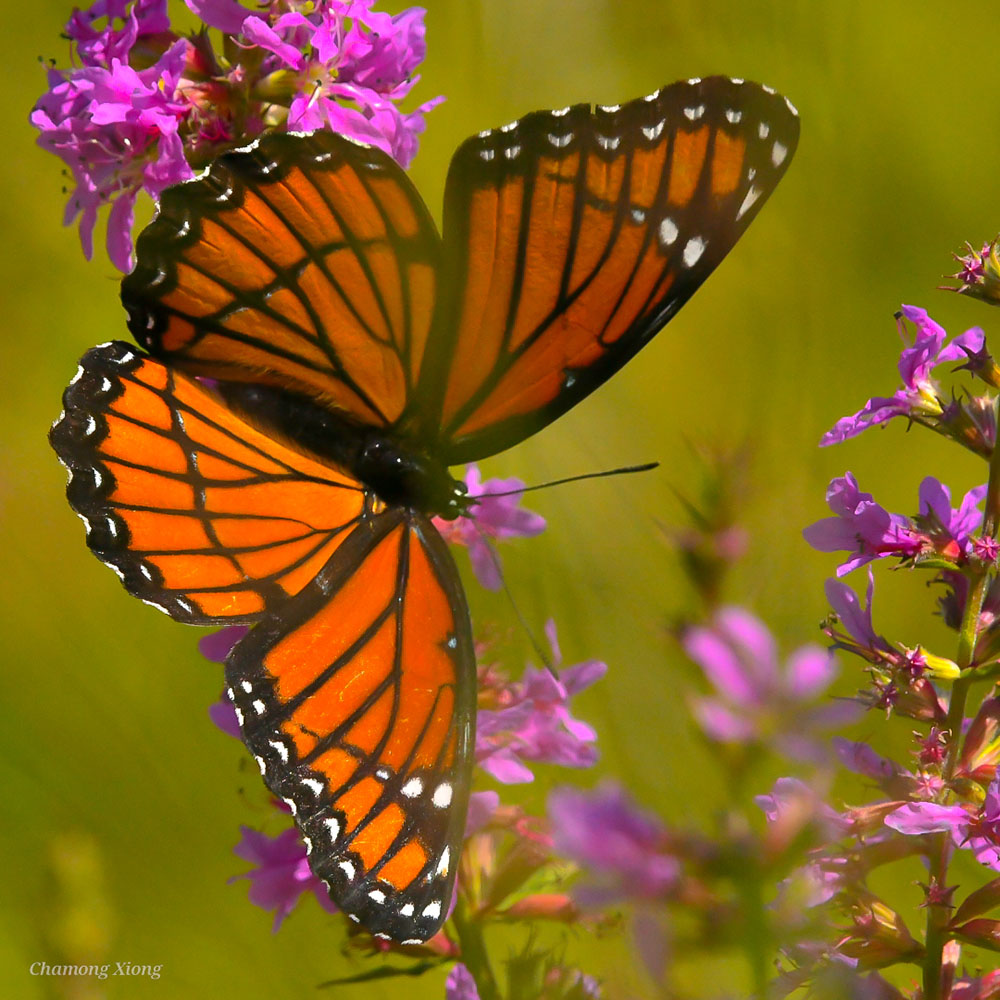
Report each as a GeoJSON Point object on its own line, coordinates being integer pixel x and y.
{"type": "Point", "coordinates": [668, 231]}
{"type": "Point", "coordinates": [314, 785]}
{"type": "Point", "coordinates": [511, 152]}
{"type": "Point", "coordinates": [733, 116]}
{"type": "Point", "coordinates": [609, 108]}
{"type": "Point", "coordinates": [412, 788]}
{"type": "Point", "coordinates": [486, 154]}
{"type": "Point", "coordinates": [560, 140]}
{"type": "Point", "coordinates": [76, 378]}
{"type": "Point", "coordinates": [653, 131]}
{"type": "Point", "coordinates": [752, 195]}
{"type": "Point", "coordinates": [406, 910]}
{"type": "Point", "coordinates": [778, 153]}
{"type": "Point", "coordinates": [348, 869]}
{"type": "Point", "coordinates": [247, 686]}
{"type": "Point", "coordinates": [442, 795]}
{"type": "Point", "coordinates": [261, 763]}
{"type": "Point", "coordinates": [608, 141]}
{"type": "Point", "coordinates": [767, 89]}
{"type": "Point", "coordinates": [258, 706]}
{"type": "Point", "coordinates": [432, 910]}
{"type": "Point", "coordinates": [693, 114]}
{"type": "Point", "coordinates": [791, 107]}
{"type": "Point", "coordinates": [377, 896]}
{"type": "Point", "coordinates": [763, 130]}
{"type": "Point", "coordinates": [693, 250]}
{"type": "Point", "coordinates": [694, 81]}
{"type": "Point", "coordinates": [559, 112]}
{"type": "Point", "coordinates": [332, 827]}
{"type": "Point", "coordinates": [280, 749]}
{"type": "Point", "coordinates": [442, 866]}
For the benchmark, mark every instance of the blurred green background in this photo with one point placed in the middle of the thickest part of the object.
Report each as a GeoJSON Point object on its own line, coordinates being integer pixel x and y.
{"type": "Point", "coordinates": [121, 802]}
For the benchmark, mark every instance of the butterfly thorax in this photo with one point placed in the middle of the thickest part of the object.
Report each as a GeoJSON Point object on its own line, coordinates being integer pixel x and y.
{"type": "Point", "coordinates": [397, 471]}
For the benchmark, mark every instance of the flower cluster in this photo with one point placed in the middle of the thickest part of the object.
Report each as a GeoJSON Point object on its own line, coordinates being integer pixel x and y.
{"type": "Point", "coordinates": [146, 107]}
{"type": "Point", "coordinates": [946, 798]}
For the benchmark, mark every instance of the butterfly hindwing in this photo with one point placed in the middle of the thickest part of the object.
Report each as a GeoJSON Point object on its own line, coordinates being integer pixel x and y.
{"type": "Point", "coordinates": [198, 512]}
{"type": "Point", "coordinates": [357, 700]}
{"type": "Point", "coordinates": [572, 236]}
{"type": "Point", "coordinates": [306, 261]}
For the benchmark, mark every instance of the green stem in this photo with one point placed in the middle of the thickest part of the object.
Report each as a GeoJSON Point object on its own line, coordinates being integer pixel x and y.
{"type": "Point", "coordinates": [474, 957]}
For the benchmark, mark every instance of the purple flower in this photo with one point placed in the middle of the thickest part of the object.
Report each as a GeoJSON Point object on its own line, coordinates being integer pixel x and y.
{"type": "Point", "coordinates": [868, 531]}
{"type": "Point", "coordinates": [977, 831]}
{"type": "Point", "coordinates": [860, 526]}
{"type": "Point", "coordinates": [122, 129]}
{"type": "Point", "coordinates": [792, 802]}
{"type": "Point", "coordinates": [217, 646]}
{"type": "Point", "coordinates": [493, 517]}
{"type": "Point", "coordinates": [533, 722]}
{"type": "Point", "coordinates": [281, 874]}
{"type": "Point", "coordinates": [949, 531]}
{"type": "Point", "coordinates": [460, 985]}
{"type": "Point", "coordinates": [755, 697]}
{"type": "Point", "coordinates": [920, 395]}
{"type": "Point", "coordinates": [100, 46]}
{"type": "Point", "coordinates": [117, 131]}
{"type": "Point", "coordinates": [620, 846]}
{"type": "Point", "coordinates": [858, 635]}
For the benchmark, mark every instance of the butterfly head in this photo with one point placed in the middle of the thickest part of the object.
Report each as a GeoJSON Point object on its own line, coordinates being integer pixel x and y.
{"type": "Point", "coordinates": [405, 477]}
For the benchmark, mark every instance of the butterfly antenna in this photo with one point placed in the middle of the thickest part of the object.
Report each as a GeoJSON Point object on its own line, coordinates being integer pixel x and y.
{"type": "Point", "coordinates": [625, 470]}
{"type": "Point", "coordinates": [532, 638]}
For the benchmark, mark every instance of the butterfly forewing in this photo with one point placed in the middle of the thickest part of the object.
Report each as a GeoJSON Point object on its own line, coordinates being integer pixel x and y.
{"type": "Point", "coordinates": [308, 262]}
{"type": "Point", "coordinates": [199, 513]}
{"type": "Point", "coordinates": [357, 701]}
{"type": "Point", "coordinates": [572, 236]}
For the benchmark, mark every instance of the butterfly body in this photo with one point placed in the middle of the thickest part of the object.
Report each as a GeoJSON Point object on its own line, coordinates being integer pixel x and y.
{"type": "Point", "coordinates": [316, 357]}
{"type": "Point", "coordinates": [396, 470]}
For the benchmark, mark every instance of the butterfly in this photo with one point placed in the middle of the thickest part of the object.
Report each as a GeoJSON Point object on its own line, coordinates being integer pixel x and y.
{"type": "Point", "coordinates": [315, 357]}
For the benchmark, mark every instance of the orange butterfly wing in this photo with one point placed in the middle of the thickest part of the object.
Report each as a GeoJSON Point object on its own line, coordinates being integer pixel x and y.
{"type": "Point", "coordinates": [357, 700]}
{"type": "Point", "coordinates": [572, 236]}
{"type": "Point", "coordinates": [307, 262]}
{"type": "Point", "coordinates": [198, 512]}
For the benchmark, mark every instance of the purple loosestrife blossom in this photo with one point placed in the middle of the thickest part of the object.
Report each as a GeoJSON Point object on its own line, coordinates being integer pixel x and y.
{"type": "Point", "coordinates": [532, 721]}
{"type": "Point", "coordinates": [971, 827]}
{"type": "Point", "coordinates": [460, 985]}
{"type": "Point", "coordinates": [146, 107]}
{"type": "Point", "coordinates": [756, 700]}
{"type": "Point", "coordinates": [492, 518]}
{"type": "Point", "coordinates": [281, 873]}
{"type": "Point", "coordinates": [867, 531]}
{"type": "Point", "coordinates": [979, 273]}
{"type": "Point", "coordinates": [920, 397]}
{"type": "Point", "coordinates": [621, 848]}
